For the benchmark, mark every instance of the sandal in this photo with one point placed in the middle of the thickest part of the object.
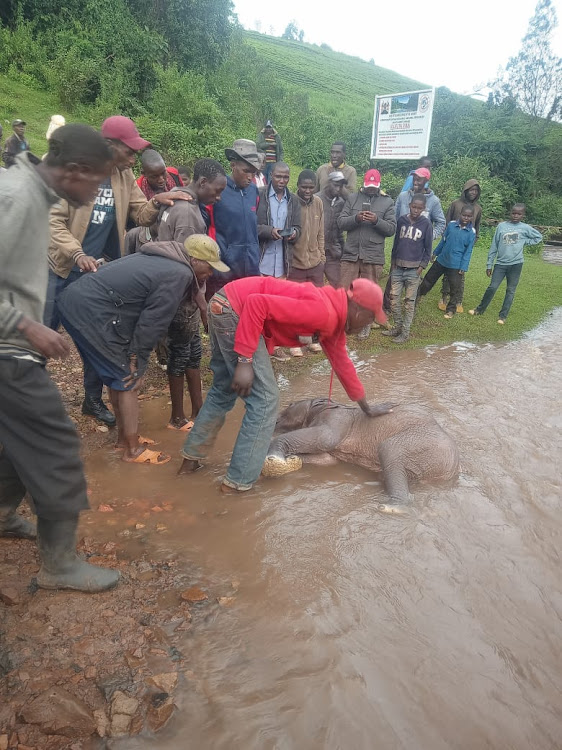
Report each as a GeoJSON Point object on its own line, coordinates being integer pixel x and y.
{"type": "Point", "coordinates": [186, 426]}
{"type": "Point", "coordinates": [142, 441]}
{"type": "Point", "coordinates": [149, 457]}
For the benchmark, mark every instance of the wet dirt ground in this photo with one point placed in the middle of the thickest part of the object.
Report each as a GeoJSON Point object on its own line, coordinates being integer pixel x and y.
{"type": "Point", "coordinates": [327, 625]}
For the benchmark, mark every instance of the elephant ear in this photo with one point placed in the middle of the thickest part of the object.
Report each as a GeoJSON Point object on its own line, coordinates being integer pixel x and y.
{"type": "Point", "coordinates": [319, 405]}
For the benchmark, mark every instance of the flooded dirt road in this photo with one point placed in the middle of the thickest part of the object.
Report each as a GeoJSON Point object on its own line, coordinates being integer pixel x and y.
{"type": "Point", "coordinates": [355, 630]}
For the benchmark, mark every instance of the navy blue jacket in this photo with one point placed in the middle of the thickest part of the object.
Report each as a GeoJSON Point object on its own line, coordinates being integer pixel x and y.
{"type": "Point", "coordinates": [237, 231]}
{"type": "Point", "coordinates": [412, 242]}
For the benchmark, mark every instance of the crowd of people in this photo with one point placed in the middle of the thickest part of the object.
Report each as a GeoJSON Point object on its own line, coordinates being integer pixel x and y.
{"type": "Point", "coordinates": [130, 265]}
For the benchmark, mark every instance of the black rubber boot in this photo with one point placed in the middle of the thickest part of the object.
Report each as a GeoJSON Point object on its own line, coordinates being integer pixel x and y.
{"type": "Point", "coordinates": [13, 525]}
{"type": "Point", "coordinates": [61, 568]}
{"type": "Point", "coordinates": [94, 407]}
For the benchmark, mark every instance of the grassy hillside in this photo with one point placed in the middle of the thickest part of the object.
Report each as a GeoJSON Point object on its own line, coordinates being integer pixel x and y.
{"type": "Point", "coordinates": [319, 70]}
{"type": "Point", "coordinates": [35, 107]}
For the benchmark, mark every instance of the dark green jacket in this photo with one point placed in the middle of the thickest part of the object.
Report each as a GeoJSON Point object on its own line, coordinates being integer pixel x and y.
{"type": "Point", "coordinates": [366, 241]}
{"type": "Point", "coordinates": [261, 144]}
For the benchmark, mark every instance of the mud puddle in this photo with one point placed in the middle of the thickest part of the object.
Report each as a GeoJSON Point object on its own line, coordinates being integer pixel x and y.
{"type": "Point", "coordinates": [349, 629]}
{"type": "Point", "coordinates": [327, 625]}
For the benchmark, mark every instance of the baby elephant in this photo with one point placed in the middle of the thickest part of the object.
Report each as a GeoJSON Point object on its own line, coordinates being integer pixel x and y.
{"type": "Point", "coordinates": [407, 443]}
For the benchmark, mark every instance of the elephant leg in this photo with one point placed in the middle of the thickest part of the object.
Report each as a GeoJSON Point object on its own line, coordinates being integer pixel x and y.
{"type": "Point", "coordinates": [285, 451]}
{"type": "Point", "coordinates": [320, 459]}
{"type": "Point", "coordinates": [393, 460]}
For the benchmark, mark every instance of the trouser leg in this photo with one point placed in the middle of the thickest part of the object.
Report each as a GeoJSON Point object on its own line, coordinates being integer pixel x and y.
{"type": "Point", "coordinates": [386, 301]}
{"type": "Point", "coordinates": [430, 279]}
{"type": "Point", "coordinates": [396, 287]}
{"type": "Point", "coordinates": [257, 426]}
{"type": "Point", "coordinates": [39, 441]}
{"type": "Point", "coordinates": [513, 274]}
{"type": "Point", "coordinates": [498, 275]}
{"type": "Point", "coordinates": [220, 398]}
{"type": "Point", "coordinates": [411, 284]}
{"type": "Point", "coordinates": [445, 288]}
{"type": "Point", "coordinates": [349, 272]}
{"type": "Point", "coordinates": [455, 286]}
{"type": "Point", "coordinates": [332, 269]}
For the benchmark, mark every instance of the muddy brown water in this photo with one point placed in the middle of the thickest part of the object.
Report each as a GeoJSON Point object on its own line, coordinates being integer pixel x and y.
{"type": "Point", "coordinates": [356, 630]}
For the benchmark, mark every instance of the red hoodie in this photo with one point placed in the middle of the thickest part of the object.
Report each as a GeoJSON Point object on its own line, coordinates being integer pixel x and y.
{"type": "Point", "coordinates": [281, 311]}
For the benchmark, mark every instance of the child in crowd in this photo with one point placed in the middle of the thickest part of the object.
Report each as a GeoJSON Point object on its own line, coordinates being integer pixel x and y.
{"type": "Point", "coordinates": [184, 173]}
{"type": "Point", "coordinates": [469, 197]}
{"type": "Point", "coordinates": [308, 256]}
{"type": "Point", "coordinates": [507, 250]}
{"type": "Point", "coordinates": [454, 252]}
{"type": "Point", "coordinates": [411, 252]}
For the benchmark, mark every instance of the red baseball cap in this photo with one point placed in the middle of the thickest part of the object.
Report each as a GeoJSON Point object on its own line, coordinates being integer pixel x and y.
{"type": "Point", "coordinates": [423, 172]}
{"type": "Point", "coordinates": [372, 178]}
{"type": "Point", "coordinates": [367, 294]}
{"type": "Point", "coordinates": [120, 128]}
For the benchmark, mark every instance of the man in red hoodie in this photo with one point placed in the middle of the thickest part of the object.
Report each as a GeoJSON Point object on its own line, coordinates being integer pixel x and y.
{"type": "Point", "coordinates": [248, 318]}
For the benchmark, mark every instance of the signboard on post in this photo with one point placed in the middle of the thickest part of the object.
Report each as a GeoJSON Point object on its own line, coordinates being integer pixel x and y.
{"type": "Point", "coordinates": [402, 125]}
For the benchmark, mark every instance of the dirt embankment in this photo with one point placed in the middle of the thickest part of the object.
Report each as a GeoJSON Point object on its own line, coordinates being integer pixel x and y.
{"type": "Point", "coordinates": [76, 669]}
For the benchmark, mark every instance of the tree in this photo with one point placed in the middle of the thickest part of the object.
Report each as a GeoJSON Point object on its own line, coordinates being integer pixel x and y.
{"type": "Point", "coordinates": [292, 32]}
{"type": "Point", "coordinates": [533, 78]}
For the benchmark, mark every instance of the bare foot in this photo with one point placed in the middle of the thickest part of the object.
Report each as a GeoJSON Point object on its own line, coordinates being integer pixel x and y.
{"type": "Point", "coordinates": [189, 465]}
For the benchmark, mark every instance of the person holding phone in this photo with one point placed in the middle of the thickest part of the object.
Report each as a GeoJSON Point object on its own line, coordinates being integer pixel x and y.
{"type": "Point", "coordinates": [368, 218]}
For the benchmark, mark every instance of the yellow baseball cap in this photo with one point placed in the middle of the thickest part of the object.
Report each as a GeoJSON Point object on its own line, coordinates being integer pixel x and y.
{"type": "Point", "coordinates": [203, 247]}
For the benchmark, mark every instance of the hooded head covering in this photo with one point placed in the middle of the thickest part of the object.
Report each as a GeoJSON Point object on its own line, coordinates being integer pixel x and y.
{"type": "Point", "coordinates": [467, 185]}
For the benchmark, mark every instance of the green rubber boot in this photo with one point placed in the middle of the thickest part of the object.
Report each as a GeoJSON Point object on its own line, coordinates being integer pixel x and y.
{"type": "Point", "coordinates": [61, 568]}
{"type": "Point", "coordinates": [14, 525]}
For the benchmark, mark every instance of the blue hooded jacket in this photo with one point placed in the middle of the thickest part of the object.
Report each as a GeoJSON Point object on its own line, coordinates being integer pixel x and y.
{"type": "Point", "coordinates": [237, 231]}
{"type": "Point", "coordinates": [455, 248]}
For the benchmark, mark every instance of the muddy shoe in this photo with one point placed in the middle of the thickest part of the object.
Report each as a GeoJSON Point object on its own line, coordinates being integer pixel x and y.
{"type": "Point", "coordinates": [280, 355]}
{"type": "Point", "coordinates": [364, 332]}
{"type": "Point", "coordinates": [94, 407]}
{"type": "Point", "coordinates": [61, 568]}
{"type": "Point", "coordinates": [276, 466]}
{"type": "Point", "coordinates": [15, 526]}
{"type": "Point", "coordinates": [460, 309]}
{"type": "Point", "coordinates": [442, 305]}
{"type": "Point", "coordinates": [448, 315]}
{"type": "Point", "coordinates": [401, 338]}
{"type": "Point", "coordinates": [393, 332]}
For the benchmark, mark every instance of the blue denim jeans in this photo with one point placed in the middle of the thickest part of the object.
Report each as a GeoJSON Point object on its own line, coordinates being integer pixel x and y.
{"type": "Point", "coordinates": [512, 275]}
{"type": "Point", "coordinates": [262, 404]}
{"type": "Point", "coordinates": [93, 386]}
{"type": "Point", "coordinates": [406, 279]}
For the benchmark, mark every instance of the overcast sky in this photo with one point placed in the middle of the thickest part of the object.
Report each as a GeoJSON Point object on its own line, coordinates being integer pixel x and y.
{"type": "Point", "coordinates": [442, 43]}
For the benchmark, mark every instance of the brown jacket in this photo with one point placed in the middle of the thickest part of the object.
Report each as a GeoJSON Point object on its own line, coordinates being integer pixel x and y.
{"type": "Point", "coordinates": [69, 225]}
{"type": "Point", "coordinates": [308, 250]}
{"type": "Point", "coordinates": [349, 173]}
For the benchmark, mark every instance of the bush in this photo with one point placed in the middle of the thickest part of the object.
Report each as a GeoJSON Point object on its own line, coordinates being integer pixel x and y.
{"type": "Point", "coordinates": [546, 209]}
{"type": "Point", "coordinates": [447, 182]}
{"type": "Point", "coordinates": [22, 54]}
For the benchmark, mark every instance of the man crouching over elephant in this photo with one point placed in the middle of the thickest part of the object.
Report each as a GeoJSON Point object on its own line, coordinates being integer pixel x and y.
{"type": "Point", "coordinates": [248, 318]}
{"type": "Point", "coordinates": [407, 443]}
